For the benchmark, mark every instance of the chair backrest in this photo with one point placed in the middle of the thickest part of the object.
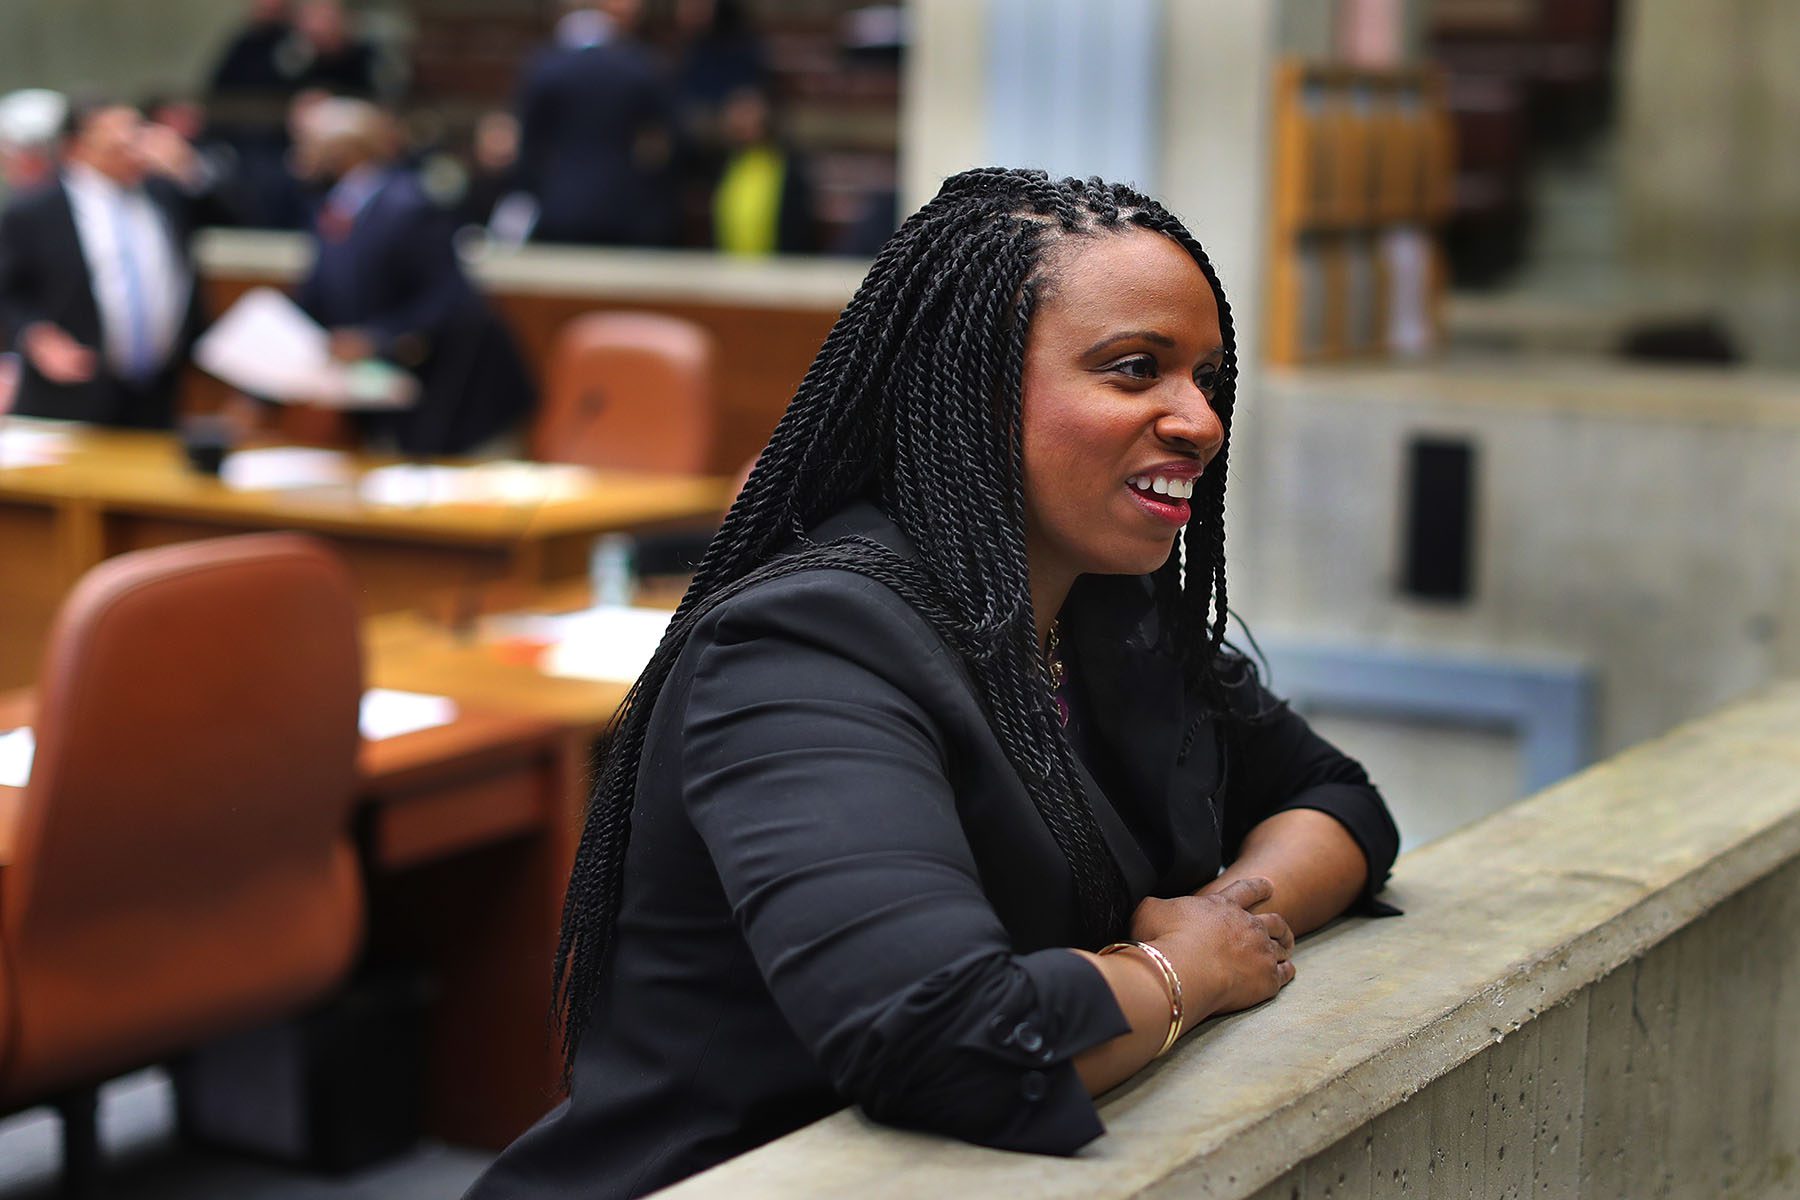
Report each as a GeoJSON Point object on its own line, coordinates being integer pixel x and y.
{"type": "Point", "coordinates": [632, 391]}
{"type": "Point", "coordinates": [183, 865]}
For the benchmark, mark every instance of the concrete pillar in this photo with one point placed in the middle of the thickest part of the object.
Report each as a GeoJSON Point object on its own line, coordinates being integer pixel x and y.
{"type": "Point", "coordinates": [1709, 182]}
{"type": "Point", "coordinates": [1173, 94]}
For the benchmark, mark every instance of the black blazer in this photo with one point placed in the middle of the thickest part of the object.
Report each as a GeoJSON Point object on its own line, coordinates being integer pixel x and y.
{"type": "Point", "coordinates": [584, 118]}
{"type": "Point", "coordinates": [394, 274]}
{"type": "Point", "coordinates": [44, 277]}
{"type": "Point", "coordinates": [838, 891]}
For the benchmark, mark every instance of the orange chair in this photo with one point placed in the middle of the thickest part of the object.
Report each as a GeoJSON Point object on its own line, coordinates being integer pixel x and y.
{"type": "Point", "coordinates": [181, 865]}
{"type": "Point", "coordinates": [632, 391]}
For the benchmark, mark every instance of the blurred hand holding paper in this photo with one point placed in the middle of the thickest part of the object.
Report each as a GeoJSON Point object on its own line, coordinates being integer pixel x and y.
{"type": "Point", "coordinates": [267, 347]}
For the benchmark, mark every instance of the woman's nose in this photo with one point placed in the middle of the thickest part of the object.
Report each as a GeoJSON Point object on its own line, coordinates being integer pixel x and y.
{"type": "Point", "coordinates": [1191, 424]}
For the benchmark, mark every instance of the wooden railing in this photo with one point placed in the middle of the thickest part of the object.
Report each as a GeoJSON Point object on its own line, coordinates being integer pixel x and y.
{"type": "Point", "coordinates": [1592, 993]}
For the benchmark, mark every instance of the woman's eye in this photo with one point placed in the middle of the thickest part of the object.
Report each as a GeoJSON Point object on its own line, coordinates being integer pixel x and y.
{"type": "Point", "coordinates": [1207, 378]}
{"type": "Point", "coordinates": [1138, 366]}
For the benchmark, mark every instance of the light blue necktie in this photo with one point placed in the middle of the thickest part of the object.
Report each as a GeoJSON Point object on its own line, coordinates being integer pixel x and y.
{"type": "Point", "coordinates": [138, 364]}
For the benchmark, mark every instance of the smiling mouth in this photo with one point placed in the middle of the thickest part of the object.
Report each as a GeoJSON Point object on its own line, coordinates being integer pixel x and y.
{"type": "Point", "coordinates": [1162, 487]}
{"type": "Point", "coordinates": [1170, 505]}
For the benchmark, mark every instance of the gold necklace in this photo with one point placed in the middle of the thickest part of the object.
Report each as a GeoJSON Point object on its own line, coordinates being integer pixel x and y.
{"type": "Point", "coordinates": [1053, 663]}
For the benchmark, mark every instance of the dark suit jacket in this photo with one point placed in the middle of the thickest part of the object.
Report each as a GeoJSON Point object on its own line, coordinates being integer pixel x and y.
{"type": "Point", "coordinates": [44, 277]}
{"type": "Point", "coordinates": [582, 117]}
{"type": "Point", "coordinates": [394, 274]}
{"type": "Point", "coordinates": [838, 891]}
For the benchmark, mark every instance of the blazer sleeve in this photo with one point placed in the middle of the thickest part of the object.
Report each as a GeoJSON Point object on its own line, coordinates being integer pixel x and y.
{"type": "Point", "coordinates": [21, 274]}
{"type": "Point", "coordinates": [423, 255]}
{"type": "Point", "coordinates": [814, 773]}
{"type": "Point", "coordinates": [1278, 763]}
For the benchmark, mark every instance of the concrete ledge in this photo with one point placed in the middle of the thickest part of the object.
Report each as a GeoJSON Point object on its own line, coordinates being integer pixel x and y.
{"type": "Point", "coordinates": [1506, 920]}
{"type": "Point", "coordinates": [669, 276]}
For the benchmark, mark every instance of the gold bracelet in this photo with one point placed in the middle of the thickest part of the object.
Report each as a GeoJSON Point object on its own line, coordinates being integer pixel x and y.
{"type": "Point", "coordinates": [1171, 985]}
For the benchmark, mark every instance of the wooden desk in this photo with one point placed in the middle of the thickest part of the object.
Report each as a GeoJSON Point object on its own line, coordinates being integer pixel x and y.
{"type": "Point", "coordinates": [467, 833]}
{"type": "Point", "coordinates": [117, 491]}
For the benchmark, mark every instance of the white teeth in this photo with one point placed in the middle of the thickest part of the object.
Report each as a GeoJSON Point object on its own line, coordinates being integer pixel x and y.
{"type": "Point", "coordinates": [1162, 485]}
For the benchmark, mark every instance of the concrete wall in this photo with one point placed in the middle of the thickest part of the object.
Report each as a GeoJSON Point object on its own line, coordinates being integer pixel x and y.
{"type": "Point", "coordinates": [1675, 1075]}
{"type": "Point", "coordinates": [1641, 521]}
{"type": "Point", "coordinates": [1709, 181]}
{"type": "Point", "coordinates": [1591, 994]}
{"type": "Point", "coordinates": [123, 47]}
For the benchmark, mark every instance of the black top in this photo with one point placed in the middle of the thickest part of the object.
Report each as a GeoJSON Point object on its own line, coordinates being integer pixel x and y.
{"type": "Point", "coordinates": [838, 891]}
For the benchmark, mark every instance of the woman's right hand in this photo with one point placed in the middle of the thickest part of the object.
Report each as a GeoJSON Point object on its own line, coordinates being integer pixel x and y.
{"type": "Point", "coordinates": [1228, 957]}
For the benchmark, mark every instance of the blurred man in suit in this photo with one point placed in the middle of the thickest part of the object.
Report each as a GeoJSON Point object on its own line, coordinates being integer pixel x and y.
{"type": "Point", "coordinates": [596, 119]}
{"type": "Point", "coordinates": [386, 281]}
{"type": "Point", "coordinates": [96, 283]}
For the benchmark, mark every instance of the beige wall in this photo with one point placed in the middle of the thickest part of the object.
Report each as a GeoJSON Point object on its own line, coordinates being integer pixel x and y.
{"type": "Point", "coordinates": [122, 47]}
{"type": "Point", "coordinates": [1708, 174]}
{"type": "Point", "coordinates": [1641, 521]}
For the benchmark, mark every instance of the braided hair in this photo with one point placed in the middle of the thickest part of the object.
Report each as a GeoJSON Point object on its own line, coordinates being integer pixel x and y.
{"type": "Point", "coordinates": [914, 402]}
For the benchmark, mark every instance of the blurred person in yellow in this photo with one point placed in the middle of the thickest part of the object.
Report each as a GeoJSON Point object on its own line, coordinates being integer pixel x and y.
{"type": "Point", "coordinates": [96, 280]}
{"type": "Point", "coordinates": [763, 203]}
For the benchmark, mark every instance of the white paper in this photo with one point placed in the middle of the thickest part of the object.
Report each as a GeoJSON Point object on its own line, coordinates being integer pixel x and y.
{"type": "Point", "coordinates": [388, 713]}
{"type": "Point", "coordinates": [406, 485]}
{"type": "Point", "coordinates": [29, 446]}
{"type": "Point", "coordinates": [385, 713]}
{"type": "Point", "coordinates": [276, 468]}
{"type": "Point", "coordinates": [611, 643]}
{"type": "Point", "coordinates": [17, 749]}
{"type": "Point", "coordinates": [266, 346]}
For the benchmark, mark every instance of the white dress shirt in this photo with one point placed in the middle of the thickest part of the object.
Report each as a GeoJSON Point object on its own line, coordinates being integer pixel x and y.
{"type": "Point", "coordinates": [140, 282]}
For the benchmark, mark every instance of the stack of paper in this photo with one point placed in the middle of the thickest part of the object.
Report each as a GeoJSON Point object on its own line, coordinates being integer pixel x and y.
{"type": "Point", "coordinates": [23, 445]}
{"type": "Point", "coordinates": [388, 713]}
{"type": "Point", "coordinates": [385, 713]}
{"type": "Point", "coordinates": [283, 468]}
{"type": "Point", "coordinates": [405, 485]}
{"type": "Point", "coordinates": [610, 643]}
{"type": "Point", "coordinates": [17, 748]}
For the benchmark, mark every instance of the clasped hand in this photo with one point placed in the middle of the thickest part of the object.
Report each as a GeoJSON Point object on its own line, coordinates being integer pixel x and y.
{"type": "Point", "coordinates": [1228, 956]}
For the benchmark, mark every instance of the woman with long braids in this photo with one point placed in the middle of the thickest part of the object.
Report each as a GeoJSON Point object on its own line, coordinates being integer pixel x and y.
{"type": "Point", "coordinates": [944, 795]}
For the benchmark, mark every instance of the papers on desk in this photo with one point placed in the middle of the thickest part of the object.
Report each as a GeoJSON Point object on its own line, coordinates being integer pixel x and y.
{"type": "Point", "coordinates": [610, 643]}
{"type": "Point", "coordinates": [387, 713]}
{"type": "Point", "coordinates": [17, 748]}
{"type": "Point", "coordinates": [407, 485]}
{"type": "Point", "coordinates": [267, 347]}
{"type": "Point", "coordinates": [24, 445]}
{"type": "Point", "coordinates": [284, 468]}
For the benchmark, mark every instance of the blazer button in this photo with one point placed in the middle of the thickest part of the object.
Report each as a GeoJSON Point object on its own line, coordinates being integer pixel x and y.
{"type": "Point", "coordinates": [1033, 1086]}
{"type": "Point", "coordinates": [1026, 1037]}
